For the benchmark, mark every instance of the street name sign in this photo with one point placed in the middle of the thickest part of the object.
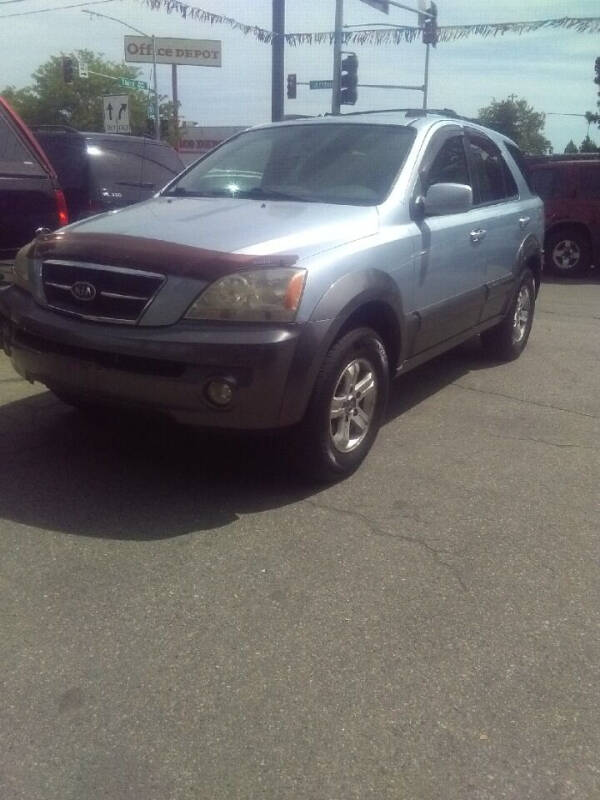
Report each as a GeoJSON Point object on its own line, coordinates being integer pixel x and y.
{"type": "Point", "coordinates": [116, 113]}
{"type": "Point", "coordinates": [193, 52]}
{"type": "Point", "coordinates": [321, 84]}
{"type": "Point", "coordinates": [131, 83]}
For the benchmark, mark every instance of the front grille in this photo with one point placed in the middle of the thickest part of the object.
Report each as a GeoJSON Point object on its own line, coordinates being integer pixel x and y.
{"type": "Point", "coordinates": [94, 291]}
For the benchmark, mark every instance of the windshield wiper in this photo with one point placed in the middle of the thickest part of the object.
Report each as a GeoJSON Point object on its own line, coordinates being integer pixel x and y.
{"type": "Point", "coordinates": [257, 193]}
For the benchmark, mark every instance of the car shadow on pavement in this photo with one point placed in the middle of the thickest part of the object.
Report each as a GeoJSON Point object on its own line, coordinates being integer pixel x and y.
{"type": "Point", "coordinates": [139, 478]}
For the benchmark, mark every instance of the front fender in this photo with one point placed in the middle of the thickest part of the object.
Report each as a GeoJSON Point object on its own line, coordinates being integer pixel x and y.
{"type": "Point", "coordinates": [339, 302]}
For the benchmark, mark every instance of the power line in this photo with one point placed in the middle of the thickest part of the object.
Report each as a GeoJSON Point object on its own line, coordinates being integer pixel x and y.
{"type": "Point", "coordinates": [55, 8]}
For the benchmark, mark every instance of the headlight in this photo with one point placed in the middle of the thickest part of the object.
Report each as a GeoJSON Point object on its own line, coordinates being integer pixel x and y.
{"type": "Point", "coordinates": [21, 268]}
{"type": "Point", "coordinates": [265, 295]}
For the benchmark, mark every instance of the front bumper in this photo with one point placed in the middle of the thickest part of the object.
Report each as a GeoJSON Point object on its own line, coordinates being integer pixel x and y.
{"type": "Point", "coordinates": [161, 369]}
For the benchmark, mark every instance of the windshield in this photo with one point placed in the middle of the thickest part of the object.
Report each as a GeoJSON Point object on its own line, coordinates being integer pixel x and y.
{"type": "Point", "coordinates": [352, 164]}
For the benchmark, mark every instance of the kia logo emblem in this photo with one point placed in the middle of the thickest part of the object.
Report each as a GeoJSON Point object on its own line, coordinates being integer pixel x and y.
{"type": "Point", "coordinates": [83, 291]}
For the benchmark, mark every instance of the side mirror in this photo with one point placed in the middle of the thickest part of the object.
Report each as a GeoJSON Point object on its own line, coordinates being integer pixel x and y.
{"type": "Point", "coordinates": [447, 198]}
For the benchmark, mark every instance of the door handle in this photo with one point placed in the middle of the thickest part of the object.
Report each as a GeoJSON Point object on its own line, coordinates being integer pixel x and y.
{"type": "Point", "coordinates": [523, 221]}
{"type": "Point", "coordinates": [478, 235]}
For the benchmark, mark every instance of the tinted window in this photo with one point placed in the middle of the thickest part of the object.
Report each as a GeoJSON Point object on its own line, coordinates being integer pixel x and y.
{"type": "Point", "coordinates": [488, 170]}
{"type": "Point", "coordinates": [330, 163]}
{"type": "Point", "coordinates": [67, 156]}
{"type": "Point", "coordinates": [520, 162]}
{"type": "Point", "coordinates": [449, 165]}
{"type": "Point", "coordinates": [115, 162]}
{"type": "Point", "coordinates": [15, 158]}
{"type": "Point", "coordinates": [589, 180]}
{"type": "Point", "coordinates": [544, 182]}
{"type": "Point", "coordinates": [133, 164]}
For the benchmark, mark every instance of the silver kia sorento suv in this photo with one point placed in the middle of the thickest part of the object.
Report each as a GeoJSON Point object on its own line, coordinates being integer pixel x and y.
{"type": "Point", "coordinates": [282, 280]}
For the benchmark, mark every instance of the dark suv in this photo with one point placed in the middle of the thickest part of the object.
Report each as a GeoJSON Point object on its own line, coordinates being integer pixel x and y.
{"type": "Point", "coordinates": [570, 189]}
{"type": "Point", "coordinates": [30, 195]}
{"type": "Point", "coordinates": [102, 171]}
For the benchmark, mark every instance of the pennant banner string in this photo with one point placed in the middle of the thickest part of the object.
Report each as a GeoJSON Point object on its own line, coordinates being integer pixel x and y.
{"type": "Point", "coordinates": [378, 36]}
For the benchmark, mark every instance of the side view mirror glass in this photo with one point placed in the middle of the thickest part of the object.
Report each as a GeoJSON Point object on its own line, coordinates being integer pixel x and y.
{"type": "Point", "coordinates": [447, 198]}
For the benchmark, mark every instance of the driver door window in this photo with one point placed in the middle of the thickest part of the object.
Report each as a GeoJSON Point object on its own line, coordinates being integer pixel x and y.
{"type": "Point", "coordinates": [449, 165]}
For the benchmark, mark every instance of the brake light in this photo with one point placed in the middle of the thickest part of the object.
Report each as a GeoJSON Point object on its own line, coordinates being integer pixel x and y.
{"type": "Point", "coordinates": [61, 208]}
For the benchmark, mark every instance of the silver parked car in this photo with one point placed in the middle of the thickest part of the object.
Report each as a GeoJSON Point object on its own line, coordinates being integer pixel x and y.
{"type": "Point", "coordinates": [284, 278]}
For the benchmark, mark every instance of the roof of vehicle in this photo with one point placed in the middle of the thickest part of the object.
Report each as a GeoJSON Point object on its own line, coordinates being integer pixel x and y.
{"type": "Point", "coordinates": [414, 117]}
{"type": "Point", "coordinates": [66, 130]}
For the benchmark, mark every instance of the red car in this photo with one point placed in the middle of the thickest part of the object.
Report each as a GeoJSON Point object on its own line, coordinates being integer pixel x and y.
{"type": "Point", "coordinates": [30, 194]}
{"type": "Point", "coordinates": [570, 189]}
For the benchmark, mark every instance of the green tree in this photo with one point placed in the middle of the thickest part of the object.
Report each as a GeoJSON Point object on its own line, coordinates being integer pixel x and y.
{"type": "Point", "coordinates": [51, 101]}
{"type": "Point", "coordinates": [588, 146]}
{"type": "Point", "coordinates": [590, 116]}
{"type": "Point", "coordinates": [515, 118]}
{"type": "Point", "coordinates": [571, 147]}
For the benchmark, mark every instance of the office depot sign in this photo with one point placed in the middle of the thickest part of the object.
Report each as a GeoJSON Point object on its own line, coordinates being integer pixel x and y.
{"type": "Point", "coordinates": [193, 52]}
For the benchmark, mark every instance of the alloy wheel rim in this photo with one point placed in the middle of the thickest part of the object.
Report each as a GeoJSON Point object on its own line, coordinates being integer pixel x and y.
{"type": "Point", "coordinates": [352, 405]}
{"type": "Point", "coordinates": [522, 314]}
{"type": "Point", "coordinates": [566, 254]}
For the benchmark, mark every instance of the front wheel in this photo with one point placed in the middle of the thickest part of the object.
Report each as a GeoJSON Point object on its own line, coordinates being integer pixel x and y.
{"type": "Point", "coordinates": [507, 340]}
{"type": "Point", "coordinates": [346, 408]}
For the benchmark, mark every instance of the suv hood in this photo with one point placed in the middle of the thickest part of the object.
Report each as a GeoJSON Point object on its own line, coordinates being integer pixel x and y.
{"type": "Point", "coordinates": [199, 237]}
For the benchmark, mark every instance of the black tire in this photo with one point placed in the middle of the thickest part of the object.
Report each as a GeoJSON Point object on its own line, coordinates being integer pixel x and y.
{"type": "Point", "coordinates": [319, 439]}
{"type": "Point", "coordinates": [506, 341]}
{"type": "Point", "coordinates": [568, 252]}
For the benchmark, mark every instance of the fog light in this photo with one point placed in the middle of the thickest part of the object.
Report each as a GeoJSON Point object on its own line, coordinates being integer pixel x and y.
{"type": "Point", "coordinates": [219, 392]}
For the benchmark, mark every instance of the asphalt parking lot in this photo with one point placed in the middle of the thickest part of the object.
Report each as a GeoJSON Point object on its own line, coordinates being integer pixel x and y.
{"type": "Point", "coordinates": [181, 618]}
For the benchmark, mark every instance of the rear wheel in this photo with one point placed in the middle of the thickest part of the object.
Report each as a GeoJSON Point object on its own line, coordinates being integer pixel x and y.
{"type": "Point", "coordinates": [507, 340]}
{"type": "Point", "coordinates": [568, 251]}
{"type": "Point", "coordinates": [346, 408]}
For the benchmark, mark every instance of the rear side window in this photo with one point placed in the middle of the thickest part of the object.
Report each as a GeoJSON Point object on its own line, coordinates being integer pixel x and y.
{"type": "Point", "coordinates": [544, 182]}
{"type": "Point", "coordinates": [15, 158]}
{"type": "Point", "coordinates": [521, 163]}
{"type": "Point", "coordinates": [160, 165]}
{"type": "Point", "coordinates": [115, 163]}
{"type": "Point", "coordinates": [132, 164]}
{"type": "Point", "coordinates": [589, 181]}
{"type": "Point", "coordinates": [67, 156]}
{"type": "Point", "coordinates": [491, 176]}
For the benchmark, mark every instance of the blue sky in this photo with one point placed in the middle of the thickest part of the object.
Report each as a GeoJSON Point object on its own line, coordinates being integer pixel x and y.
{"type": "Point", "coordinates": [553, 70]}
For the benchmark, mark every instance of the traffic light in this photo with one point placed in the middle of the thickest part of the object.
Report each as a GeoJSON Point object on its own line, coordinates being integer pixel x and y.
{"type": "Point", "coordinates": [349, 80]}
{"type": "Point", "coordinates": [430, 30]}
{"type": "Point", "coordinates": [291, 86]}
{"type": "Point", "coordinates": [68, 69]}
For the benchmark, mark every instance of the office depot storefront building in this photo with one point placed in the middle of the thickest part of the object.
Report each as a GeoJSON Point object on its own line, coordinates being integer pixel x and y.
{"type": "Point", "coordinates": [195, 140]}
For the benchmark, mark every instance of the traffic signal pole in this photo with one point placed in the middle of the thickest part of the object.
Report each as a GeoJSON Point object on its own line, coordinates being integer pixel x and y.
{"type": "Point", "coordinates": [337, 57]}
{"type": "Point", "coordinates": [277, 63]}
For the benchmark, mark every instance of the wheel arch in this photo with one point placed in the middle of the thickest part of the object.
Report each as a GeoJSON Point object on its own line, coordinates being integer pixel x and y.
{"type": "Point", "coordinates": [367, 298]}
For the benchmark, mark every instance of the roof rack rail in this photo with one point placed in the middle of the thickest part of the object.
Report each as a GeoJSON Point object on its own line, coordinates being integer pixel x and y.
{"type": "Point", "coordinates": [59, 127]}
{"type": "Point", "coordinates": [410, 112]}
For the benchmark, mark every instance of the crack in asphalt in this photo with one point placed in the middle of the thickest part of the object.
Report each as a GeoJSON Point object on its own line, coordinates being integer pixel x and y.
{"type": "Point", "coordinates": [545, 441]}
{"type": "Point", "coordinates": [377, 531]}
{"type": "Point", "coordinates": [526, 402]}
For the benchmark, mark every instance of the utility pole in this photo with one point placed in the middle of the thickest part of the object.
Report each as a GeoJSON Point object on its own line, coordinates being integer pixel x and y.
{"type": "Point", "coordinates": [277, 64]}
{"type": "Point", "coordinates": [337, 56]}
